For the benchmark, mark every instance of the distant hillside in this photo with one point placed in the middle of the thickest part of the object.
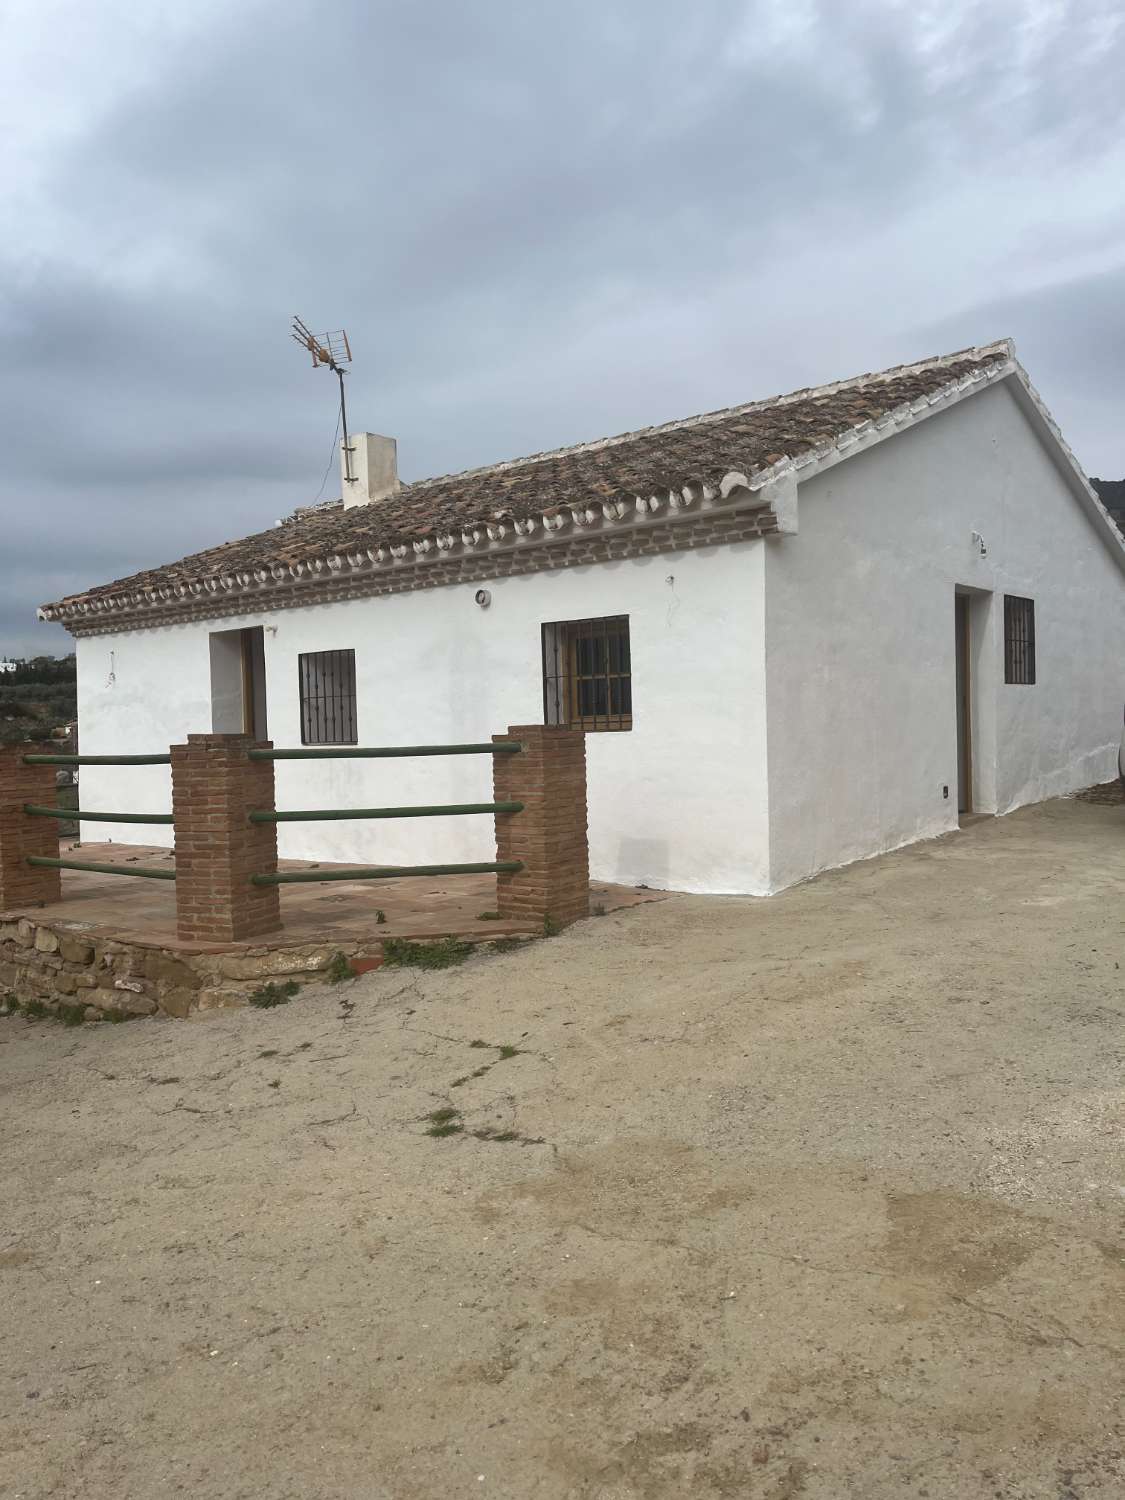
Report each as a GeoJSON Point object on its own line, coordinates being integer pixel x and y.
{"type": "Point", "coordinates": [1111, 492]}
{"type": "Point", "coordinates": [39, 697]}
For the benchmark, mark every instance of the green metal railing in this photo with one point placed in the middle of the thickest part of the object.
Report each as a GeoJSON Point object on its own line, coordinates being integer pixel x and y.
{"type": "Point", "coordinates": [382, 752]}
{"type": "Point", "coordinates": [388, 872]}
{"type": "Point", "coordinates": [98, 817]}
{"type": "Point", "coordinates": [307, 815]}
{"type": "Point", "coordinates": [34, 810]}
{"type": "Point", "coordinates": [341, 814]}
{"type": "Point", "coordinates": [145, 871]}
{"type": "Point", "coordinates": [97, 760]}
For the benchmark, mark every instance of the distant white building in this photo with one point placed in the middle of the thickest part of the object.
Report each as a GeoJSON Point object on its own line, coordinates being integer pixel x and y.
{"type": "Point", "coordinates": [797, 632]}
{"type": "Point", "coordinates": [9, 666]}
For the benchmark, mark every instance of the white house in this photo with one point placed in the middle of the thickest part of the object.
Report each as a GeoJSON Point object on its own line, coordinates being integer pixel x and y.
{"type": "Point", "coordinates": [798, 632]}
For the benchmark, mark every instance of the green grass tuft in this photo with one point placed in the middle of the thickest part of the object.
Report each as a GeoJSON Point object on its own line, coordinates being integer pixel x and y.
{"type": "Point", "coordinates": [274, 994]}
{"type": "Point", "coordinates": [443, 1115]}
{"type": "Point", "coordinates": [442, 953]}
{"type": "Point", "coordinates": [338, 969]}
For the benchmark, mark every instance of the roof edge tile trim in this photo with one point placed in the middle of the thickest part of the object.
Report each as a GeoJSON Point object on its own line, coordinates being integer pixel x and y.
{"type": "Point", "coordinates": [161, 596]}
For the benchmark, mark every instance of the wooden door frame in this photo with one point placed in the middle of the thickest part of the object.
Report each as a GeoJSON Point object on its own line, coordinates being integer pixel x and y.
{"type": "Point", "coordinates": [962, 634]}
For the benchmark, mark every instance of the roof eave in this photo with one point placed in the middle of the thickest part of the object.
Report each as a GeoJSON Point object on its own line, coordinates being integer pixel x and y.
{"type": "Point", "coordinates": [253, 590]}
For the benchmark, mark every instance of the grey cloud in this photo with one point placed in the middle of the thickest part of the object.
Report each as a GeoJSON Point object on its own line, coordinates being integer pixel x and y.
{"type": "Point", "coordinates": [539, 224]}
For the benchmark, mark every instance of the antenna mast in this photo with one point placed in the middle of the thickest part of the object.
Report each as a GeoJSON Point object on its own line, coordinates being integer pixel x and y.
{"type": "Point", "coordinates": [334, 351]}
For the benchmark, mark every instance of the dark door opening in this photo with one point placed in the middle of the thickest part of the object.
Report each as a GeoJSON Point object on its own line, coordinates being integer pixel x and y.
{"type": "Point", "coordinates": [238, 682]}
{"type": "Point", "coordinates": [254, 683]}
{"type": "Point", "coordinates": [964, 714]}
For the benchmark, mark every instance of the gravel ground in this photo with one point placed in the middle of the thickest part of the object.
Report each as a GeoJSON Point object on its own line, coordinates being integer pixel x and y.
{"type": "Point", "coordinates": [812, 1197]}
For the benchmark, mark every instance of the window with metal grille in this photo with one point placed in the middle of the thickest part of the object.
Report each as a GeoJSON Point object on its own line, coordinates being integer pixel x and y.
{"type": "Point", "coordinates": [1019, 639]}
{"type": "Point", "coordinates": [587, 679]}
{"type": "Point", "coordinates": [327, 682]}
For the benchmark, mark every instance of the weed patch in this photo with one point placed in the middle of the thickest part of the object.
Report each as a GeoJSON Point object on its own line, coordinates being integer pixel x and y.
{"type": "Point", "coordinates": [445, 1121]}
{"type": "Point", "coordinates": [274, 994]}
{"type": "Point", "coordinates": [505, 944]}
{"type": "Point", "coordinates": [338, 969]}
{"type": "Point", "coordinates": [443, 953]}
{"type": "Point", "coordinates": [508, 1137]}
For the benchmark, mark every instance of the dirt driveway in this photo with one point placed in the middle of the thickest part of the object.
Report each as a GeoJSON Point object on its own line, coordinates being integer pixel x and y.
{"type": "Point", "coordinates": [815, 1197]}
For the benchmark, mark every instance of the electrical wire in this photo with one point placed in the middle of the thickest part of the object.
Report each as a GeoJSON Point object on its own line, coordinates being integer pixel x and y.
{"type": "Point", "coordinates": [331, 460]}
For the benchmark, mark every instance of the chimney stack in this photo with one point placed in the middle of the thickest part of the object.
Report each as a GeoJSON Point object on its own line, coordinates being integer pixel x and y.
{"type": "Point", "coordinates": [373, 468]}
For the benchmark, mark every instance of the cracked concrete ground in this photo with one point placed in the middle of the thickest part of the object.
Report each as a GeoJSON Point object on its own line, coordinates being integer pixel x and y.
{"type": "Point", "coordinates": [812, 1197]}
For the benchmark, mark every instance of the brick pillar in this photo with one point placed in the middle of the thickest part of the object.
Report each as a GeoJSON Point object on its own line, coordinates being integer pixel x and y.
{"type": "Point", "coordinates": [22, 884]}
{"type": "Point", "coordinates": [549, 777]}
{"type": "Point", "coordinates": [214, 786]}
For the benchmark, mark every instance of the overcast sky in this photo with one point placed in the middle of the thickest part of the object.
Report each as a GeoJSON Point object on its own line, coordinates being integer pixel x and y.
{"type": "Point", "coordinates": [539, 223]}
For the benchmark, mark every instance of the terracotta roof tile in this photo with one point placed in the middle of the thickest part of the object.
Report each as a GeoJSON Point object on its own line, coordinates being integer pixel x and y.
{"type": "Point", "coordinates": [700, 450]}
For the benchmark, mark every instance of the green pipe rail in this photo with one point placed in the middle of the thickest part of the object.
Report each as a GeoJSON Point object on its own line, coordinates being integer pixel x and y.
{"type": "Point", "coordinates": [145, 871]}
{"type": "Point", "coordinates": [348, 752]}
{"type": "Point", "coordinates": [98, 817]}
{"type": "Point", "coordinates": [388, 872]}
{"type": "Point", "coordinates": [342, 814]}
{"type": "Point", "coordinates": [97, 760]}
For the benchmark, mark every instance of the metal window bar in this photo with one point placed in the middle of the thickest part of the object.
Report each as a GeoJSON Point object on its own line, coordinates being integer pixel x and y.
{"type": "Point", "coordinates": [1019, 640]}
{"type": "Point", "coordinates": [587, 674]}
{"type": "Point", "coordinates": [328, 697]}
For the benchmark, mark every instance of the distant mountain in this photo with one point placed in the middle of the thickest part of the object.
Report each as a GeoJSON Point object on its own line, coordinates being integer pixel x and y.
{"type": "Point", "coordinates": [1111, 492]}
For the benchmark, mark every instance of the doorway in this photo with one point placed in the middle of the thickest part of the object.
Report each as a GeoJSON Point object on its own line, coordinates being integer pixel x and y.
{"type": "Point", "coordinates": [238, 682]}
{"type": "Point", "coordinates": [961, 603]}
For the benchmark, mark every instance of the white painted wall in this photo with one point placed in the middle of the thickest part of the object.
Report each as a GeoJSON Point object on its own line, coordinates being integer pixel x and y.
{"type": "Point", "coordinates": [860, 639]}
{"type": "Point", "coordinates": [677, 802]}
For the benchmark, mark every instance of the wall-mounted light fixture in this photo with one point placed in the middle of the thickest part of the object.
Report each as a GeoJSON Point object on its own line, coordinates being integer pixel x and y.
{"type": "Point", "coordinates": [978, 542]}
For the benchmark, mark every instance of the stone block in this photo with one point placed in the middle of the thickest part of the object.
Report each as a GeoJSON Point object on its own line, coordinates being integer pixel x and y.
{"type": "Point", "coordinates": [281, 962]}
{"type": "Point", "coordinates": [177, 1002]}
{"type": "Point", "coordinates": [76, 950]}
{"type": "Point", "coordinates": [221, 999]}
{"type": "Point", "coordinates": [46, 941]}
{"type": "Point", "coordinates": [163, 968]}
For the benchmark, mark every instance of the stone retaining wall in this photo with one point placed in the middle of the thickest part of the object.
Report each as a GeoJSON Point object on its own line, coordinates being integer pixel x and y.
{"type": "Point", "coordinates": [65, 963]}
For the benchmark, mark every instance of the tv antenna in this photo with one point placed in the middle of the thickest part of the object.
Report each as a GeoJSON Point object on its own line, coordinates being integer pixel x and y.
{"type": "Point", "coordinates": [334, 351]}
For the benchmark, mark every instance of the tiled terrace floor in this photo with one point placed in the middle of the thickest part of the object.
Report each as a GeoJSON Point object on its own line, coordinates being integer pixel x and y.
{"type": "Point", "coordinates": [145, 910]}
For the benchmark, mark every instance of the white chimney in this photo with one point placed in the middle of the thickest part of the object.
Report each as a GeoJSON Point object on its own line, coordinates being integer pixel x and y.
{"type": "Point", "coordinates": [370, 470]}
